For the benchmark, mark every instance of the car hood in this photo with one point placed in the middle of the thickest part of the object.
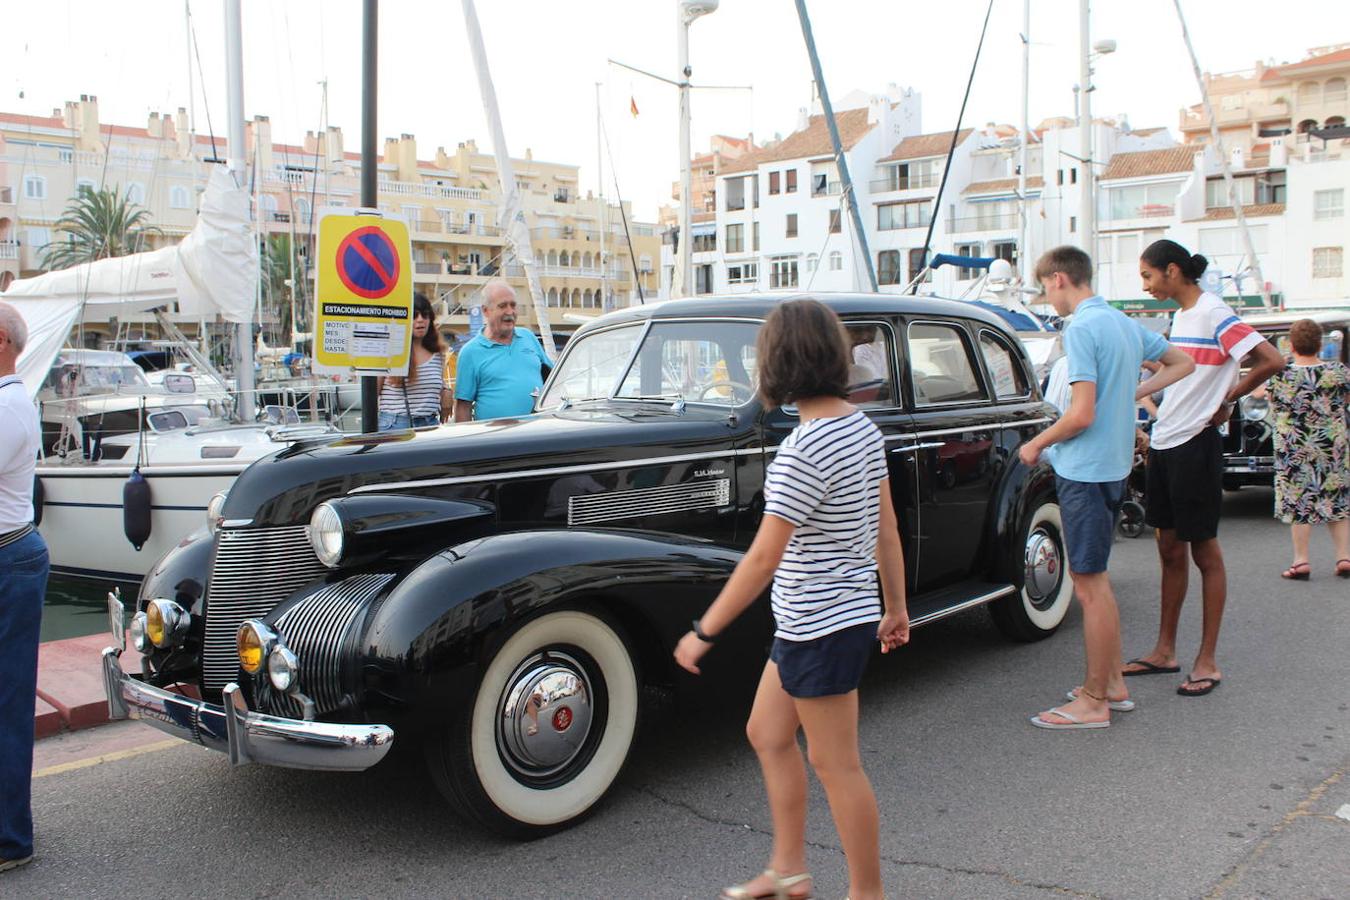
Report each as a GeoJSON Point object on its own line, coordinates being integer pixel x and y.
{"type": "Point", "coordinates": [284, 488]}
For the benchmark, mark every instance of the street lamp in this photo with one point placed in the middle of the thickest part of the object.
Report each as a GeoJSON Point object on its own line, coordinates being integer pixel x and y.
{"type": "Point", "coordinates": [687, 11]}
{"type": "Point", "coordinates": [1087, 211]}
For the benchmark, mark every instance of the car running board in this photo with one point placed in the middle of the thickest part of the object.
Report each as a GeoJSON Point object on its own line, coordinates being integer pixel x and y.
{"type": "Point", "coordinates": [948, 601]}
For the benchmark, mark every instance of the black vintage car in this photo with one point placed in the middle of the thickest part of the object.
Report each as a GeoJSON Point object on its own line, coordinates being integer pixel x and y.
{"type": "Point", "coordinates": [502, 592]}
{"type": "Point", "coordinates": [1248, 436]}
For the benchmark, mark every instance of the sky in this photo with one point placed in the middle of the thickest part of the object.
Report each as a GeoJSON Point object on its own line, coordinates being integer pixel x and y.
{"type": "Point", "coordinates": [547, 58]}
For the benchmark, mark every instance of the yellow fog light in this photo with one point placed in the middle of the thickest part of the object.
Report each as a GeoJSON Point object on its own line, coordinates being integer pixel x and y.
{"type": "Point", "coordinates": [166, 623]}
{"type": "Point", "coordinates": [254, 641]}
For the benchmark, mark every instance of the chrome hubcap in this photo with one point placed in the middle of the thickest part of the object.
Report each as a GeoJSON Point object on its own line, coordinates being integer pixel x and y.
{"type": "Point", "coordinates": [546, 714]}
{"type": "Point", "coordinates": [1044, 567]}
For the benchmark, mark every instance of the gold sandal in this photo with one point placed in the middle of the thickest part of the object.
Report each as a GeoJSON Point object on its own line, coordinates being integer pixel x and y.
{"type": "Point", "coordinates": [781, 886]}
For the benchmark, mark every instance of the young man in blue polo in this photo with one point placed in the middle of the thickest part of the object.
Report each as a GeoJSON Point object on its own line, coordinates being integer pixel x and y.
{"type": "Point", "coordinates": [1091, 448]}
{"type": "Point", "coordinates": [499, 369]}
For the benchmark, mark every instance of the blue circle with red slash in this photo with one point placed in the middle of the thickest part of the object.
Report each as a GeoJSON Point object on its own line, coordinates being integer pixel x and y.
{"type": "Point", "coordinates": [367, 263]}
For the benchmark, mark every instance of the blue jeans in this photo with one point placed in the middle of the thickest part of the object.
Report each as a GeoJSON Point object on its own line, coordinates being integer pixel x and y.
{"type": "Point", "coordinates": [399, 421]}
{"type": "Point", "coordinates": [23, 585]}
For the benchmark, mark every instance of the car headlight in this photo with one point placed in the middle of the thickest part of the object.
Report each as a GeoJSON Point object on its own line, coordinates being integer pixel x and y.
{"type": "Point", "coordinates": [1255, 409]}
{"type": "Point", "coordinates": [214, 511]}
{"type": "Point", "coordinates": [254, 642]}
{"type": "Point", "coordinates": [166, 623]}
{"type": "Point", "coordinates": [283, 668]}
{"type": "Point", "coordinates": [325, 535]}
{"type": "Point", "coordinates": [139, 639]}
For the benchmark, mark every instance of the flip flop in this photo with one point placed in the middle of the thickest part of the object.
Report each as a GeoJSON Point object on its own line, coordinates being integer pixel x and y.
{"type": "Point", "coordinates": [1297, 572]}
{"type": "Point", "coordinates": [1343, 572]}
{"type": "Point", "coordinates": [1073, 723]}
{"type": "Point", "coordinates": [1149, 668]}
{"type": "Point", "coordinates": [1126, 705]}
{"type": "Point", "coordinates": [1213, 683]}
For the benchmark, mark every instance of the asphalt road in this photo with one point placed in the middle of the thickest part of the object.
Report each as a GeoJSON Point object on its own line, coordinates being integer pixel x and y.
{"type": "Point", "coordinates": [1230, 795]}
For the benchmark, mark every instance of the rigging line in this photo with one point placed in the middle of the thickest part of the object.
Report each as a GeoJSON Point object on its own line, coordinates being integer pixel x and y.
{"type": "Point", "coordinates": [956, 133]}
{"type": "Point", "coordinates": [206, 103]}
{"type": "Point", "coordinates": [628, 237]}
{"type": "Point", "coordinates": [826, 243]}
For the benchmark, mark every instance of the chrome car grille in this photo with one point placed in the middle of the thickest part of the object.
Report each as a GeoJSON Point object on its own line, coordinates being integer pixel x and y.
{"type": "Point", "coordinates": [254, 570]}
{"type": "Point", "coordinates": [316, 630]}
{"type": "Point", "coordinates": [588, 509]}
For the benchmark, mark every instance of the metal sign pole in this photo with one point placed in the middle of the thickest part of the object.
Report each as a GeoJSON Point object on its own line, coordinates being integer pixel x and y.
{"type": "Point", "coordinates": [370, 398]}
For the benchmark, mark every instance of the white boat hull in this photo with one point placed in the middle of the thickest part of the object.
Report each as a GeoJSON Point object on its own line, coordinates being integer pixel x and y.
{"type": "Point", "coordinates": [82, 515]}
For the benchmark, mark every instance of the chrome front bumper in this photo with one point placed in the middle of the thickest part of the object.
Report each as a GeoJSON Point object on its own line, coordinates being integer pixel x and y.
{"type": "Point", "coordinates": [245, 735]}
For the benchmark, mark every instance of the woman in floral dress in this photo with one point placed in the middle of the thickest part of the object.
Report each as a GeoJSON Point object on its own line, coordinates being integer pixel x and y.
{"type": "Point", "coordinates": [1309, 400]}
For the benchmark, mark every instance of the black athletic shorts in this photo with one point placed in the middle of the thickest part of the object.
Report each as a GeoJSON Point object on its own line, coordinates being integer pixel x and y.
{"type": "Point", "coordinates": [1184, 487]}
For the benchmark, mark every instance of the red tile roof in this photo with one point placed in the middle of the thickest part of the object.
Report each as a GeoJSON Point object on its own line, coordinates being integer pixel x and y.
{"type": "Point", "coordinates": [813, 140]}
{"type": "Point", "coordinates": [921, 145]}
{"type": "Point", "coordinates": [1339, 56]}
{"type": "Point", "coordinates": [1150, 162]}
{"type": "Point", "coordinates": [1253, 211]}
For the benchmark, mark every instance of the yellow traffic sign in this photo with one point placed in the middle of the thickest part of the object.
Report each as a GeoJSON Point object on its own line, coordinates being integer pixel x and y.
{"type": "Point", "coordinates": [364, 295]}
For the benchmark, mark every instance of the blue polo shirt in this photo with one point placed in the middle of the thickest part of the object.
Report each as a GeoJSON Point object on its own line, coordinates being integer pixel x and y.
{"type": "Point", "coordinates": [498, 378]}
{"type": "Point", "coordinates": [1106, 347]}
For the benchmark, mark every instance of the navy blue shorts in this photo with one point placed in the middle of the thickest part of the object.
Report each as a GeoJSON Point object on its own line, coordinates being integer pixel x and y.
{"type": "Point", "coordinates": [826, 666]}
{"type": "Point", "coordinates": [1088, 512]}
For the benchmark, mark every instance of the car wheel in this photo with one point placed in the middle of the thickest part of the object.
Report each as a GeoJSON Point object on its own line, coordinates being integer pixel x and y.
{"type": "Point", "coordinates": [1042, 600]}
{"type": "Point", "coordinates": [548, 730]}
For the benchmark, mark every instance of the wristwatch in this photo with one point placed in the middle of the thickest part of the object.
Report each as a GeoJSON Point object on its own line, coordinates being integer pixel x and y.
{"type": "Point", "coordinates": [698, 633]}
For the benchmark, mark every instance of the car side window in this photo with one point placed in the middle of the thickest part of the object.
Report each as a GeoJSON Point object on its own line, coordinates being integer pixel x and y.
{"type": "Point", "coordinates": [1005, 370]}
{"type": "Point", "coordinates": [941, 366]}
{"type": "Point", "coordinates": [871, 384]}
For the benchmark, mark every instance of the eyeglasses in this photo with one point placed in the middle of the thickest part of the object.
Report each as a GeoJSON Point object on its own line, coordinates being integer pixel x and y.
{"type": "Point", "coordinates": [421, 313]}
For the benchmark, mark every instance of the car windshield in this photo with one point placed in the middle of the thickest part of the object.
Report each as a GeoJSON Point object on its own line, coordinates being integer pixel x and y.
{"type": "Point", "coordinates": [699, 362]}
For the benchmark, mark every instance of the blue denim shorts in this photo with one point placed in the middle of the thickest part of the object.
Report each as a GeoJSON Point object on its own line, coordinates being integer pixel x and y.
{"type": "Point", "coordinates": [1088, 511]}
{"type": "Point", "coordinates": [826, 666]}
{"type": "Point", "coordinates": [399, 421]}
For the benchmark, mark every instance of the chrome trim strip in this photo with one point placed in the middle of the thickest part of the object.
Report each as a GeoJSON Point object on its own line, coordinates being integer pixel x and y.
{"type": "Point", "coordinates": [589, 509]}
{"type": "Point", "coordinates": [961, 607]}
{"type": "Point", "coordinates": [244, 735]}
{"type": "Point", "coordinates": [1011, 423]}
{"type": "Point", "coordinates": [558, 470]}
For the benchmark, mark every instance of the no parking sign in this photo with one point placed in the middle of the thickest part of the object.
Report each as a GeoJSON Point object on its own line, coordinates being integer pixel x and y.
{"type": "Point", "coordinates": [363, 315]}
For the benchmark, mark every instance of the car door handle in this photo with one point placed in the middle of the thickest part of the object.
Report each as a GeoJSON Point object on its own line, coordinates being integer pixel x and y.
{"type": "Point", "coordinates": [916, 447]}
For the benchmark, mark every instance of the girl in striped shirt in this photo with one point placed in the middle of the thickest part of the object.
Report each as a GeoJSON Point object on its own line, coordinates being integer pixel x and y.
{"type": "Point", "coordinates": [829, 531]}
{"type": "Point", "coordinates": [421, 399]}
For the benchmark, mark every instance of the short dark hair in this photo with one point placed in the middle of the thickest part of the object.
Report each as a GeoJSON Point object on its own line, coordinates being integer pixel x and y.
{"type": "Point", "coordinates": [1305, 336]}
{"type": "Point", "coordinates": [802, 352]}
{"type": "Point", "coordinates": [1073, 262]}
{"type": "Point", "coordinates": [1163, 253]}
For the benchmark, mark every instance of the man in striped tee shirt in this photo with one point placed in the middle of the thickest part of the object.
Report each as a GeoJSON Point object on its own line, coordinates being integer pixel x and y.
{"type": "Point", "coordinates": [1185, 464]}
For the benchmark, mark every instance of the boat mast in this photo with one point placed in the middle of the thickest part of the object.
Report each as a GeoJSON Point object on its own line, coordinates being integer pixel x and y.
{"type": "Point", "coordinates": [370, 11]}
{"type": "Point", "coordinates": [604, 207]}
{"type": "Point", "coordinates": [234, 78]}
{"type": "Point", "coordinates": [1233, 198]}
{"type": "Point", "coordinates": [511, 216]}
{"type": "Point", "coordinates": [1087, 225]}
{"type": "Point", "coordinates": [844, 180]}
{"type": "Point", "coordinates": [1023, 254]}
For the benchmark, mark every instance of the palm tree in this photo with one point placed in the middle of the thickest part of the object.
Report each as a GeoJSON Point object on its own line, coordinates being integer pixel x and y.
{"type": "Point", "coordinates": [98, 224]}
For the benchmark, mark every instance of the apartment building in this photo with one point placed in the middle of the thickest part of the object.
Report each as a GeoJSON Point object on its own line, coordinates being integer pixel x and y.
{"type": "Point", "coordinates": [450, 202]}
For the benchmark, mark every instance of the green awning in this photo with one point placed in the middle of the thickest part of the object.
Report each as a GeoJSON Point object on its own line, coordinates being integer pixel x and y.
{"type": "Point", "coordinates": [1149, 305]}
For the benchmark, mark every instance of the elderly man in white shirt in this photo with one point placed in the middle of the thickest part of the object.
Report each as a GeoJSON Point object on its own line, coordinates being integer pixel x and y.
{"type": "Point", "coordinates": [23, 583]}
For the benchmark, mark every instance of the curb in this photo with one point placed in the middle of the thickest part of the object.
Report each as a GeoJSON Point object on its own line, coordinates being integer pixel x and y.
{"type": "Point", "coordinates": [70, 693]}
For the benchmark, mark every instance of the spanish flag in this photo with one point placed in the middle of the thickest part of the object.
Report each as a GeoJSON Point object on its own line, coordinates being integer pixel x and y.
{"type": "Point", "coordinates": [632, 106]}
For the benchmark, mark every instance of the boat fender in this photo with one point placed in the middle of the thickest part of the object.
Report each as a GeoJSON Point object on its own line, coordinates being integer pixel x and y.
{"type": "Point", "coordinates": [136, 509]}
{"type": "Point", "coordinates": [38, 498]}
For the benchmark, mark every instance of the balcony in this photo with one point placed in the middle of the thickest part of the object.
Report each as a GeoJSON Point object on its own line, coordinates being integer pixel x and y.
{"type": "Point", "coordinates": [896, 183]}
{"type": "Point", "coordinates": [440, 226]}
{"type": "Point", "coordinates": [547, 271]}
{"type": "Point", "coordinates": [434, 191]}
{"type": "Point", "coordinates": [565, 233]}
{"type": "Point", "coordinates": [7, 195]}
{"type": "Point", "coordinates": [1142, 211]}
{"type": "Point", "coordinates": [9, 249]}
{"type": "Point", "coordinates": [999, 222]}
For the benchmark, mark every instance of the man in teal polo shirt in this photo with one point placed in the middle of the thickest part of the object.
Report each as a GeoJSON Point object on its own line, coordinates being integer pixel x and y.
{"type": "Point", "coordinates": [1091, 448]}
{"type": "Point", "coordinates": [499, 369]}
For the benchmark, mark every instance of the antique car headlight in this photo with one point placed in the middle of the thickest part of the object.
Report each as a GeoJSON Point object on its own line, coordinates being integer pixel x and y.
{"type": "Point", "coordinates": [214, 510]}
{"type": "Point", "coordinates": [139, 639]}
{"type": "Point", "coordinates": [254, 642]}
{"type": "Point", "coordinates": [282, 668]}
{"type": "Point", "coordinates": [1255, 409]}
{"type": "Point", "coordinates": [166, 623]}
{"type": "Point", "coordinates": [325, 535]}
